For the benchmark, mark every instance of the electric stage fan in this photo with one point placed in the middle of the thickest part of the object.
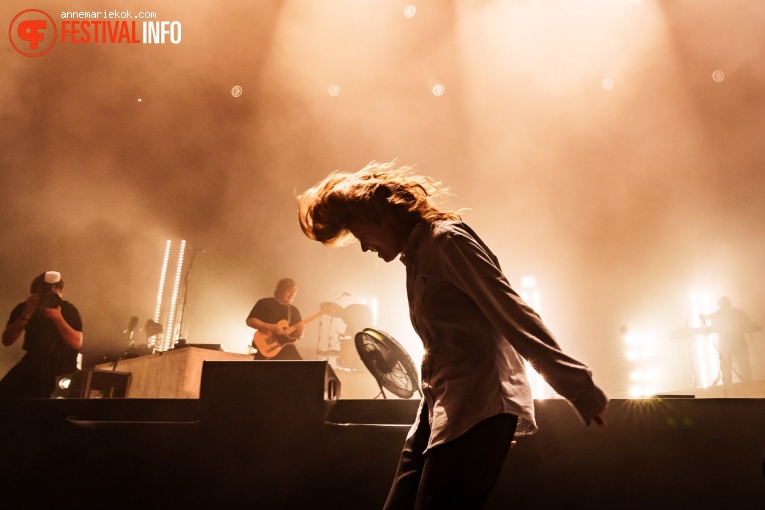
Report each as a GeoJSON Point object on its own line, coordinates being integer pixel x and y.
{"type": "Point", "coordinates": [388, 362]}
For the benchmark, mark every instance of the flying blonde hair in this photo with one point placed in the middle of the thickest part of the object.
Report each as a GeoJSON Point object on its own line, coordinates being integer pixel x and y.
{"type": "Point", "coordinates": [326, 210]}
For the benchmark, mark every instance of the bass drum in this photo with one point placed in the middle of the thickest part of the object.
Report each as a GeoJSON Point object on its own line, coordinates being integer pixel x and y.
{"type": "Point", "coordinates": [349, 357]}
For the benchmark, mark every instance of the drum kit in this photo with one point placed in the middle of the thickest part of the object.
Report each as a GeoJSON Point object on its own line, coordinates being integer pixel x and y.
{"type": "Point", "coordinates": [340, 348]}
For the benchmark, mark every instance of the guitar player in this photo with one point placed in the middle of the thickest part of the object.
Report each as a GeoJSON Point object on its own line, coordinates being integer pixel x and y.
{"type": "Point", "coordinates": [271, 317]}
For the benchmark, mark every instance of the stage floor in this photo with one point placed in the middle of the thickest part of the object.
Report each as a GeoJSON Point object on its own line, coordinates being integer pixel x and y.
{"type": "Point", "coordinates": [247, 443]}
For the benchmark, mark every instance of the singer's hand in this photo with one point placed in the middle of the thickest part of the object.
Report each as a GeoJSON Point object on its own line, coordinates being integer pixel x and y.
{"type": "Point", "coordinates": [600, 419]}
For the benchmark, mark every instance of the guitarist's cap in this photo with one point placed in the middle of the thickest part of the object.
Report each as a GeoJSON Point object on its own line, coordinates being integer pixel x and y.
{"type": "Point", "coordinates": [284, 285]}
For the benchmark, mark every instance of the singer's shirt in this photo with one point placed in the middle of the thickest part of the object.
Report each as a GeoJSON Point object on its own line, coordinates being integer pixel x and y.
{"type": "Point", "coordinates": [476, 331]}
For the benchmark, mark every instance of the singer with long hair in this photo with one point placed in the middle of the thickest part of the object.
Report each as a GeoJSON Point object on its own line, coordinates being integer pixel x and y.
{"type": "Point", "coordinates": [475, 328]}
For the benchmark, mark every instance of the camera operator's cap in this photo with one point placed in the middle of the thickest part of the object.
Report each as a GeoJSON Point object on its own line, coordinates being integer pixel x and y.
{"type": "Point", "coordinates": [52, 277]}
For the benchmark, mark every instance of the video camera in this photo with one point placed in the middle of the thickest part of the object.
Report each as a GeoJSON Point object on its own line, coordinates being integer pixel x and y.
{"type": "Point", "coordinates": [49, 298]}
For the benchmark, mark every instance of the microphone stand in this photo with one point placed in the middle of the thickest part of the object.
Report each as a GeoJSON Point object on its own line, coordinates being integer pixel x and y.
{"type": "Point", "coordinates": [182, 312]}
{"type": "Point", "coordinates": [329, 350]}
{"type": "Point", "coordinates": [318, 341]}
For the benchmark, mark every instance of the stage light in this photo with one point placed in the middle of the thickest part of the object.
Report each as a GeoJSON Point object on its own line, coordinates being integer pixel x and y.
{"type": "Point", "coordinates": [150, 329]}
{"type": "Point", "coordinates": [236, 91]}
{"type": "Point", "coordinates": [718, 76]}
{"type": "Point", "coordinates": [438, 90]}
{"type": "Point", "coordinates": [170, 338]}
{"type": "Point", "coordinates": [641, 351]}
{"type": "Point", "coordinates": [540, 390]}
{"type": "Point", "coordinates": [642, 391]}
{"type": "Point", "coordinates": [643, 376]}
{"type": "Point", "coordinates": [69, 385]}
{"type": "Point", "coordinates": [334, 90]}
{"type": "Point", "coordinates": [529, 282]}
{"type": "Point", "coordinates": [410, 11]}
{"type": "Point", "coordinates": [162, 276]}
{"type": "Point", "coordinates": [607, 84]}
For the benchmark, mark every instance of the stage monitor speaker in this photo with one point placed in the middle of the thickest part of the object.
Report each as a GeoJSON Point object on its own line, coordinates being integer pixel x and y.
{"type": "Point", "coordinates": [107, 384]}
{"type": "Point", "coordinates": [267, 391]}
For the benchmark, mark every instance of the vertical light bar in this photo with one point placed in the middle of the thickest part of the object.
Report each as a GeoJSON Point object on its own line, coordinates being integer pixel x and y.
{"type": "Point", "coordinates": [162, 276]}
{"type": "Point", "coordinates": [156, 341]}
{"type": "Point", "coordinates": [170, 338]}
{"type": "Point", "coordinates": [539, 387]}
{"type": "Point", "coordinates": [540, 390]}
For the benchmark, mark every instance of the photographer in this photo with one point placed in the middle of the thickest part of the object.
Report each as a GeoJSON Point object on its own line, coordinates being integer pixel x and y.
{"type": "Point", "coordinates": [52, 331]}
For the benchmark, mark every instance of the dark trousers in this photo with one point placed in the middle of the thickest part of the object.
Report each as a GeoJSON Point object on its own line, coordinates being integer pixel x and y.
{"type": "Point", "coordinates": [734, 351]}
{"type": "Point", "coordinates": [459, 474]}
{"type": "Point", "coordinates": [32, 377]}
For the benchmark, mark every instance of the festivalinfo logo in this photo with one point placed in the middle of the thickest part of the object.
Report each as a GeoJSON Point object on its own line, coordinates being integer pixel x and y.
{"type": "Point", "coordinates": [33, 32]}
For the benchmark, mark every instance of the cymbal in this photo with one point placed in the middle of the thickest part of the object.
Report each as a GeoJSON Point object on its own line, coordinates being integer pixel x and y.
{"type": "Point", "coordinates": [332, 309]}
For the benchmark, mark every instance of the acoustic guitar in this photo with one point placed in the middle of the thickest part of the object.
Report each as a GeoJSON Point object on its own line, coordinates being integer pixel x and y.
{"type": "Point", "coordinates": [269, 345]}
